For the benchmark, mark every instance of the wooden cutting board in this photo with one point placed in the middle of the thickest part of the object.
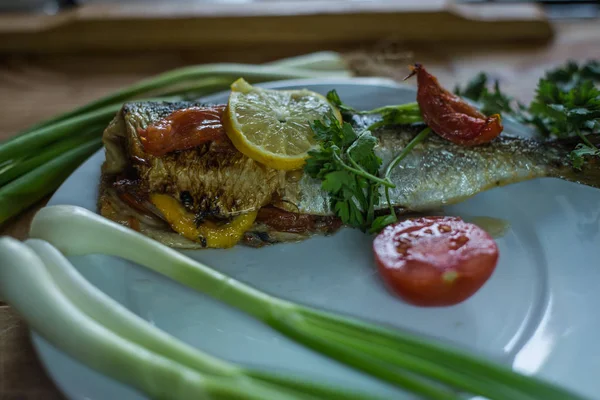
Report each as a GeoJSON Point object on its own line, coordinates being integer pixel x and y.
{"type": "Point", "coordinates": [311, 24]}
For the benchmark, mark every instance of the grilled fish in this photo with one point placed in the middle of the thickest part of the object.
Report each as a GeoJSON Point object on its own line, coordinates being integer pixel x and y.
{"type": "Point", "coordinates": [216, 181]}
{"type": "Point", "coordinates": [437, 172]}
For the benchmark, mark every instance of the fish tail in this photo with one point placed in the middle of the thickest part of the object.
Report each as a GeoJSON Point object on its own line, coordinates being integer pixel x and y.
{"type": "Point", "coordinates": [589, 173]}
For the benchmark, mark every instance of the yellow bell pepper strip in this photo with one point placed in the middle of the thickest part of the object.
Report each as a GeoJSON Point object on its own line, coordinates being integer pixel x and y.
{"type": "Point", "coordinates": [208, 233]}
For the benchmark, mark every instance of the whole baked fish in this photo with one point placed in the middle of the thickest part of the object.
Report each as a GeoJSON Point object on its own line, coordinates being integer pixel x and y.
{"type": "Point", "coordinates": [216, 183]}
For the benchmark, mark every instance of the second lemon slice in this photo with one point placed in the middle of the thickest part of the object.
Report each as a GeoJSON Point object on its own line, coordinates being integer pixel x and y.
{"type": "Point", "coordinates": [273, 126]}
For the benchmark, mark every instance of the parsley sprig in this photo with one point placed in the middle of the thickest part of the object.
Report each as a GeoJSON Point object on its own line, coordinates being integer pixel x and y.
{"type": "Point", "coordinates": [381, 222]}
{"type": "Point", "coordinates": [349, 169]}
{"type": "Point", "coordinates": [566, 104]}
{"type": "Point", "coordinates": [492, 101]}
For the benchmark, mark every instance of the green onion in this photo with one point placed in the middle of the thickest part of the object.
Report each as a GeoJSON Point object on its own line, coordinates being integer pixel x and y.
{"type": "Point", "coordinates": [319, 61]}
{"type": "Point", "coordinates": [31, 141]}
{"type": "Point", "coordinates": [193, 90]}
{"type": "Point", "coordinates": [21, 167]}
{"type": "Point", "coordinates": [116, 318]}
{"type": "Point", "coordinates": [188, 75]}
{"type": "Point", "coordinates": [400, 358]}
{"type": "Point", "coordinates": [22, 145]}
{"type": "Point", "coordinates": [29, 287]}
{"type": "Point", "coordinates": [34, 185]}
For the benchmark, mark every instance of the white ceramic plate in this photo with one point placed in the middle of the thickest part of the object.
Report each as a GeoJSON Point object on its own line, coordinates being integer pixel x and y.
{"type": "Point", "coordinates": [537, 313]}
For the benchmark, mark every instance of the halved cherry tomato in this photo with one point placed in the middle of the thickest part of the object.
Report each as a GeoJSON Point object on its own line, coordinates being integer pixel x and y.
{"type": "Point", "coordinates": [184, 129]}
{"type": "Point", "coordinates": [435, 261]}
{"type": "Point", "coordinates": [450, 116]}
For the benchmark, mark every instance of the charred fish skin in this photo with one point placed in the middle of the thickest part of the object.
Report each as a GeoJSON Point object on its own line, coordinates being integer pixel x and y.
{"type": "Point", "coordinates": [437, 172]}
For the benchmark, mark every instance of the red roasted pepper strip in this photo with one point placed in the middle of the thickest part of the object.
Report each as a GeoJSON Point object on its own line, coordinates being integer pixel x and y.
{"type": "Point", "coordinates": [450, 116]}
{"type": "Point", "coordinates": [184, 129]}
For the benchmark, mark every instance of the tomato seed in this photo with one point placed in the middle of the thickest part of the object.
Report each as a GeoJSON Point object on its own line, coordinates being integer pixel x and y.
{"type": "Point", "coordinates": [450, 276]}
{"type": "Point", "coordinates": [462, 240]}
{"type": "Point", "coordinates": [445, 228]}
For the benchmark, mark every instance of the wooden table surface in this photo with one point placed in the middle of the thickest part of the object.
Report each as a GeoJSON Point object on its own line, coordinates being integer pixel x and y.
{"type": "Point", "coordinates": [33, 88]}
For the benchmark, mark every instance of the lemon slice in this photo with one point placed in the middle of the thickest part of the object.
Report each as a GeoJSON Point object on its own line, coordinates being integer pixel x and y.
{"type": "Point", "coordinates": [273, 126]}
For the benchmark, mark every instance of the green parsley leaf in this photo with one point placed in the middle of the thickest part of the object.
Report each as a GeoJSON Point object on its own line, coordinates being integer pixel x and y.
{"type": "Point", "coordinates": [363, 152]}
{"type": "Point", "coordinates": [334, 98]}
{"type": "Point", "coordinates": [334, 181]}
{"type": "Point", "coordinates": [348, 168]}
{"type": "Point", "coordinates": [496, 102]}
{"type": "Point", "coordinates": [560, 113]}
{"type": "Point", "coordinates": [491, 101]}
{"type": "Point", "coordinates": [581, 151]}
{"type": "Point", "coordinates": [381, 222]}
{"type": "Point", "coordinates": [475, 88]}
{"type": "Point", "coordinates": [572, 75]}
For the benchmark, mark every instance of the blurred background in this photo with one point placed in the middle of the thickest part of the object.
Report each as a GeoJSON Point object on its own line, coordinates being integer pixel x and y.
{"type": "Point", "coordinates": [56, 55]}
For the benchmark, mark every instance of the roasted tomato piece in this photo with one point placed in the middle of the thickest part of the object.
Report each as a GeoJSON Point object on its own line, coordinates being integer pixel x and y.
{"type": "Point", "coordinates": [435, 261]}
{"type": "Point", "coordinates": [184, 129]}
{"type": "Point", "coordinates": [450, 116]}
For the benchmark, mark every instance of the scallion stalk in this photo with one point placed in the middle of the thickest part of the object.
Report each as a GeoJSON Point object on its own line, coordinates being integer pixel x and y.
{"type": "Point", "coordinates": [116, 318]}
{"type": "Point", "coordinates": [34, 185]}
{"type": "Point", "coordinates": [194, 89]}
{"type": "Point", "coordinates": [22, 145]}
{"type": "Point", "coordinates": [319, 61]}
{"type": "Point", "coordinates": [33, 291]}
{"type": "Point", "coordinates": [21, 167]}
{"type": "Point", "coordinates": [76, 231]}
{"type": "Point", "coordinates": [164, 81]}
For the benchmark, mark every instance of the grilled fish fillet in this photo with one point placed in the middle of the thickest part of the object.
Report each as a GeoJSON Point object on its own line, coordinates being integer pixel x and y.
{"type": "Point", "coordinates": [225, 183]}
{"type": "Point", "coordinates": [222, 181]}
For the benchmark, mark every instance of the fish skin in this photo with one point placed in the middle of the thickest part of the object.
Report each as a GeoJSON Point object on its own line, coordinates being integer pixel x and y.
{"type": "Point", "coordinates": [434, 174]}
{"type": "Point", "coordinates": [438, 173]}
